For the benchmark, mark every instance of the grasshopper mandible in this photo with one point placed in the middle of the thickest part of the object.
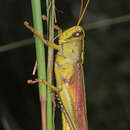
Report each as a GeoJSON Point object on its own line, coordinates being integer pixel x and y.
{"type": "Point", "coordinates": [69, 75]}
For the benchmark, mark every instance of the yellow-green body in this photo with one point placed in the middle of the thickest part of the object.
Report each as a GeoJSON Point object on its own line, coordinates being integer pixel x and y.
{"type": "Point", "coordinates": [72, 50]}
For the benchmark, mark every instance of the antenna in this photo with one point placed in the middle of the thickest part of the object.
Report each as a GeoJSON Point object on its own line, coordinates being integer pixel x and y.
{"type": "Point", "coordinates": [81, 17]}
{"type": "Point", "coordinates": [81, 8]}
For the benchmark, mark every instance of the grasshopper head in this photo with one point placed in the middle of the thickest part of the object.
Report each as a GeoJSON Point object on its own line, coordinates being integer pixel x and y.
{"type": "Point", "coordinates": [72, 41]}
{"type": "Point", "coordinates": [75, 32]}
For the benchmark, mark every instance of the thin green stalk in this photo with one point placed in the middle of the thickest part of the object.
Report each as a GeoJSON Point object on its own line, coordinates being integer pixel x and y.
{"type": "Point", "coordinates": [108, 22]}
{"type": "Point", "coordinates": [50, 31]}
{"type": "Point", "coordinates": [40, 55]}
{"type": "Point", "coordinates": [17, 44]}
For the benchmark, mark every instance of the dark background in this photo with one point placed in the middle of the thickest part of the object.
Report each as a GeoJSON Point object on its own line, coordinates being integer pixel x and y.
{"type": "Point", "coordinates": [106, 67]}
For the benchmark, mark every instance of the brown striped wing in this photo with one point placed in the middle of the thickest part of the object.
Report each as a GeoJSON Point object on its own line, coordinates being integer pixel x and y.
{"type": "Point", "coordinates": [77, 90]}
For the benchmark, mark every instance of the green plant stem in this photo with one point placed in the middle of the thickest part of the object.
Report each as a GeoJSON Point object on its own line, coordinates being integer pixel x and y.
{"type": "Point", "coordinates": [50, 31]}
{"type": "Point", "coordinates": [40, 55]}
{"type": "Point", "coordinates": [108, 22]}
{"type": "Point", "coordinates": [17, 44]}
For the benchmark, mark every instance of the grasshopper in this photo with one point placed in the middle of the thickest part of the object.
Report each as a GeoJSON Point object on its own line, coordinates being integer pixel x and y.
{"type": "Point", "coordinates": [69, 75]}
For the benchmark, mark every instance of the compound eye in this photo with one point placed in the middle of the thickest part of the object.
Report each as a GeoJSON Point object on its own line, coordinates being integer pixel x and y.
{"type": "Point", "coordinates": [77, 34]}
